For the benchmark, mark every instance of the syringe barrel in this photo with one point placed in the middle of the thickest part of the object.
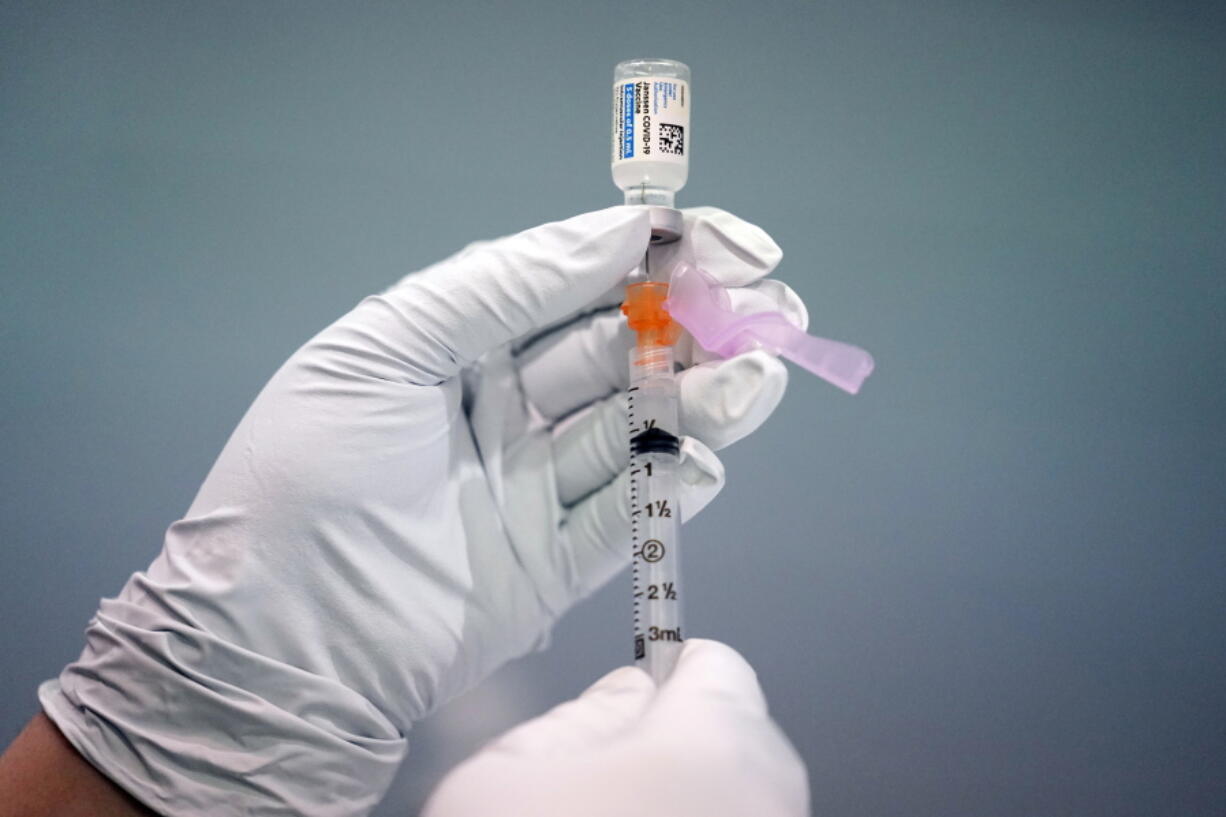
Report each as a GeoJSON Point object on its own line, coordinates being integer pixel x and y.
{"type": "Point", "coordinates": [655, 509]}
{"type": "Point", "coordinates": [651, 129]}
{"type": "Point", "coordinates": [652, 363]}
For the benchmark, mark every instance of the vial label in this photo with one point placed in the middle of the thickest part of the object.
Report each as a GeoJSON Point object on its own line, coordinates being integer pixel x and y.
{"type": "Point", "coordinates": [651, 118]}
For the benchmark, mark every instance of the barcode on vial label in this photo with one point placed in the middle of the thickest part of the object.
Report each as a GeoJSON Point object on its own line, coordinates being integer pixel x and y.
{"type": "Point", "coordinates": [672, 139]}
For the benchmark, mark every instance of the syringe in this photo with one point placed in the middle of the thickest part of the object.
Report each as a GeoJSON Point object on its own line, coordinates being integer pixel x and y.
{"type": "Point", "coordinates": [655, 511]}
{"type": "Point", "coordinates": [651, 134]}
{"type": "Point", "coordinates": [651, 120]}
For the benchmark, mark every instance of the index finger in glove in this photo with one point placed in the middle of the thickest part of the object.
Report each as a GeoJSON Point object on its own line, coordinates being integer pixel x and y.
{"type": "Point", "coordinates": [729, 249]}
{"type": "Point", "coordinates": [710, 674]}
{"type": "Point", "coordinates": [435, 322]}
{"type": "Point", "coordinates": [607, 707]}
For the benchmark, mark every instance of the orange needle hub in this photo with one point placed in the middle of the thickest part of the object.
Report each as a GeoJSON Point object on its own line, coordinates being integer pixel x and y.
{"type": "Point", "coordinates": [645, 312]}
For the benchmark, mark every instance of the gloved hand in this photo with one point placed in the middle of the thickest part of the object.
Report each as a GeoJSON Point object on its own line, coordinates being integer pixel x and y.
{"type": "Point", "coordinates": [412, 500]}
{"type": "Point", "coordinates": [703, 746]}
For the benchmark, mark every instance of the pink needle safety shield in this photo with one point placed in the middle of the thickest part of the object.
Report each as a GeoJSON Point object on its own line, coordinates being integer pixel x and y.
{"type": "Point", "coordinates": [701, 305]}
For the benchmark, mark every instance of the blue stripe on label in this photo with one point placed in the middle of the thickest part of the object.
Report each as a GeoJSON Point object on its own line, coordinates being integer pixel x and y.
{"type": "Point", "coordinates": [628, 120]}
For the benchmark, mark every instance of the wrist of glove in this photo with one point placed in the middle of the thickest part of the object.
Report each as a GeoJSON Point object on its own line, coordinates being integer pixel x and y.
{"type": "Point", "coordinates": [412, 500]}
{"type": "Point", "coordinates": [703, 745]}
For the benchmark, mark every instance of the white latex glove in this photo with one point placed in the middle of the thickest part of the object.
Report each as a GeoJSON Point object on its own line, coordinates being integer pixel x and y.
{"type": "Point", "coordinates": [398, 514]}
{"type": "Point", "coordinates": [703, 746]}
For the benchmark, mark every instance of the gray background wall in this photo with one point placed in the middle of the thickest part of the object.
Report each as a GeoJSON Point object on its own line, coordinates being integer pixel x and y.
{"type": "Point", "coordinates": [991, 584]}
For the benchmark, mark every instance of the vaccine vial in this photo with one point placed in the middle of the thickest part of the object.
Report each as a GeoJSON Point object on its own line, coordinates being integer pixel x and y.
{"type": "Point", "coordinates": [651, 130]}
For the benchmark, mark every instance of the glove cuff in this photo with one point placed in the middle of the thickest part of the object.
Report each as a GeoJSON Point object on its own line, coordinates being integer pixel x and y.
{"type": "Point", "coordinates": [154, 705]}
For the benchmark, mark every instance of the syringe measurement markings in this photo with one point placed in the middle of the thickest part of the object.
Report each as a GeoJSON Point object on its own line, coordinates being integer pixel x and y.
{"type": "Point", "coordinates": [651, 550]}
{"type": "Point", "coordinates": [634, 537]}
{"type": "Point", "coordinates": [653, 592]}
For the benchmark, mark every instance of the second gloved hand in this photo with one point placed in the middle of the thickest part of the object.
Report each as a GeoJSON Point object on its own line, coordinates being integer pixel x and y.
{"type": "Point", "coordinates": [412, 500]}
{"type": "Point", "coordinates": [702, 746]}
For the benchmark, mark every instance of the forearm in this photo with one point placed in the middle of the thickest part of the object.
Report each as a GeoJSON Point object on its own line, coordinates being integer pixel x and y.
{"type": "Point", "coordinates": [41, 774]}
